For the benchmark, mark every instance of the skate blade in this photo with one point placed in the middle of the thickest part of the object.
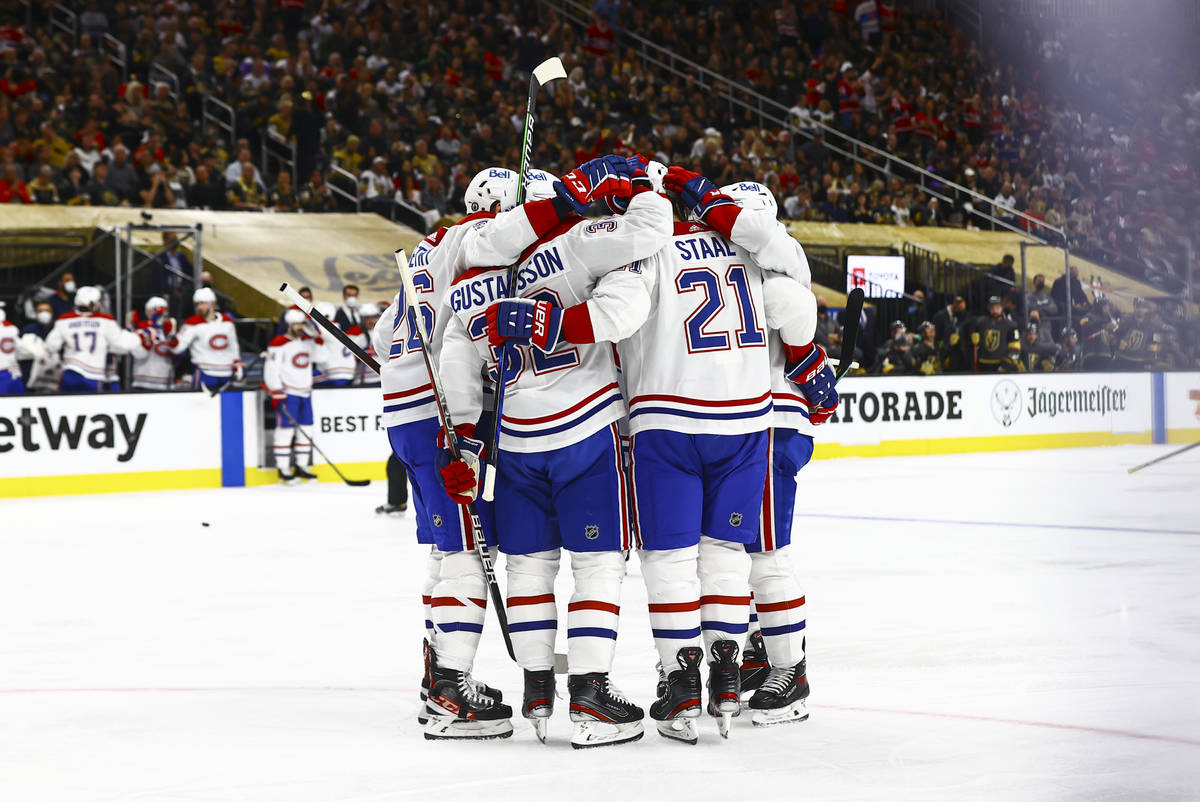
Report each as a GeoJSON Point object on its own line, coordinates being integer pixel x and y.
{"type": "Point", "coordinates": [449, 728]}
{"type": "Point", "coordinates": [724, 721]}
{"type": "Point", "coordinates": [797, 711]}
{"type": "Point", "coordinates": [590, 734]}
{"type": "Point", "coordinates": [540, 726]}
{"type": "Point", "coordinates": [679, 729]}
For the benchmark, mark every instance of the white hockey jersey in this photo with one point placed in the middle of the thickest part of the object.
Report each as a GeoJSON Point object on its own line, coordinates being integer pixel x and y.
{"type": "Point", "coordinates": [557, 399]}
{"type": "Point", "coordinates": [86, 340]}
{"type": "Point", "coordinates": [9, 335]}
{"type": "Point", "coordinates": [334, 360]}
{"type": "Point", "coordinates": [701, 363]}
{"type": "Point", "coordinates": [477, 240]}
{"type": "Point", "coordinates": [212, 344]}
{"type": "Point", "coordinates": [153, 360]}
{"type": "Point", "coordinates": [289, 364]}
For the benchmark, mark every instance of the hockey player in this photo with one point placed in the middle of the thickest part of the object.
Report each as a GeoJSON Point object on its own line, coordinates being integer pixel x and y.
{"type": "Point", "coordinates": [85, 338]}
{"type": "Point", "coordinates": [699, 380]}
{"type": "Point", "coordinates": [1137, 339]}
{"type": "Point", "coordinates": [492, 233]}
{"type": "Point", "coordinates": [10, 371]}
{"type": "Point", "coordinates": [335, 364]}
{"type": "Point", "coordinates": [992, 337]}
{"type": "Point", "coordinates": [773, 667]}
{"type": "Point", "coordinates": [153, 362]}
{"type": "Point", "coordinates": [287, 375]}
{"type": "Point", "coordinates": [561, 483]}
{"type": "Point", "coordinates": [361, 334]}
{"type": "Point", "coordinates": [211, 340]}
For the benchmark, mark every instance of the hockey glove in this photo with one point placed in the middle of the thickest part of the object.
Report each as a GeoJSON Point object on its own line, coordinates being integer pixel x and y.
{"type": "Point", "coordinates": [239, 369]}
{"type": "Point", "coordinates": [701, 196]}
{"type": "Point", "coordinates": [824, 411]}
{"type": "Point", "coordinates": [639, 182]}
{"type": "Point", "coordinates": [808, 368]}
{"type": "Point", "coordinates": [525, 322]}
{"type": "Point", "coordinates": [460, 476]}
{"type": "Point", "coordinates": [277, 398]}
{"type": "Point", "coordinates": [592, 180]}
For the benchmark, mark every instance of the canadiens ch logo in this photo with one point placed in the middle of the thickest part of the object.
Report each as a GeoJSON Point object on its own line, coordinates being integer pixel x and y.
{"type": "Point", "coordinates": [735, 519]}
{"type": "Point", "coordinates": [591, 531]}
{"type": "Point", "coordinates": [437, 520]}
{"type": "Point", "coordinates": [1006, 402]}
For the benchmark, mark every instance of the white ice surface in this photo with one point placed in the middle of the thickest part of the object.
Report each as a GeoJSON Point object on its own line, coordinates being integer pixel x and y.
{"type": "Point", "coordinates": [275, 654]}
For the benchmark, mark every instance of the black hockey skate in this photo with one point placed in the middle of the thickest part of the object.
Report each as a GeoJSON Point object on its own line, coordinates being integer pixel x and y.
{"type": "Point", "coordinates": [755, 666]}
{"type": "Point", "coordinates": [430, 659]}
{"type": "Point", "coordinates": [457, 710]}
{"type": "Point", "coordinates": [394, 510]}
{"type": "Point", "coordinates": [538, 705]}
{"type": "Point", "coordinates": [678, 703]}
{"type": "Point", "coordinates": [781, 699]}
{"type": "Point", "coordinates": [602, 714]}
{"type": "Point", "coordinates": [301, 473]}
{"type": "Point", "coordinates": [286, 478]}
{"type": "Point", "coordinates": [724, 684]}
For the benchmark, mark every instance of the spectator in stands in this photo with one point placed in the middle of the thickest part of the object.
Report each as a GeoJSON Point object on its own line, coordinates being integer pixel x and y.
{"type": "Point", "coordinates": [316, 195]}
{"type": "Point", "coordinates": [12, 188]}
{"type": "Point", "coordinates": [122, 176]}
{"type": "Point", "coordinates": [376, 187]}
{"type": "Point", "coordinates": [1078, 299]}
{"type": "Point", "coordinates": [42, 188]}
{"type": "Point", "coordinates": [155, 190]}
{"type": "Point", "coordinates": [348, 316]}
{"type": "Point", "coordinates": [247, 194]}
{"type": "Point", "coordinates": [236, 170]}
{"type": "Point", "coordinates": [283, 196]}
{"type": "Point", "coordinates": [208, 190]}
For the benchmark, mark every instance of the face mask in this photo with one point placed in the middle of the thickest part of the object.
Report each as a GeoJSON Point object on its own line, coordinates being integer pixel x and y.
{"type": "Point", "coordinates": [69, 287]}
{"type": "Point", "coordinates": [352, 301]}
{"type": "Point", "coordinates": [44, 318]}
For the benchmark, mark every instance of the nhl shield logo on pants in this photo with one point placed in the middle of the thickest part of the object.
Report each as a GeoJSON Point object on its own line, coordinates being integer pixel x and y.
{"type": "Point", "coordinates": [735, 519]}
{"type": "Point", "coordinates": [591, 531]}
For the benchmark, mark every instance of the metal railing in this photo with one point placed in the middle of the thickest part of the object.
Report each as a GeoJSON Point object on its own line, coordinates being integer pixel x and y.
{"type": "Point", "coordinates": [160, 74]}
{"type": "Point", "coordinates": [278, 149]}
{"type": "Point", "coordinates": [738, 95]}
{"type": "Point", "coordinates": [922, 263]}
{"type": "Point", "coordinates": [342, 192]}
{"type": "Point", "coordinates": [218, 114]}
{"type": "Point", "coordinates": [966, 14]}
{"type": "Point", "coordinates": [65, 20]}
{"type": "Point", "coordinates": [117, 54]}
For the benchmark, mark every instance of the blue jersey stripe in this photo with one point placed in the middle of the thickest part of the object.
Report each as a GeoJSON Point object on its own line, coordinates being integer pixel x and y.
{"type": "Point", "coordinates": [420, 402]}
{"type": "Point", "coordinates": [783, 630]}
{"type": "Point", "coordinates": [529, 626]}
{"type": "Point", "coordinates": [460, 626]}
{"type": "Point", "coordinates": [562, 427]}
{"type": "Point", "coordinates": [694, 632]}
{"type": "Point", "coordinates": [591, 632]}
{"type": "Point", "coordinates": [688, 413]}
{"type": "Point", "coordinates": [725, 626]}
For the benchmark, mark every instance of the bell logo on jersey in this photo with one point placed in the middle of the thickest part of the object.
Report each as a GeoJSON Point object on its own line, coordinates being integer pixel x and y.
{"type": "Point", "coordinates": [300, 360]}
{"type": "Point", "coordinates": [218, 342]}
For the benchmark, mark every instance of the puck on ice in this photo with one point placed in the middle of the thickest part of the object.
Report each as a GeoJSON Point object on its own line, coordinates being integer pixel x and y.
{"type": "Point", "coordinates": [204, 523]}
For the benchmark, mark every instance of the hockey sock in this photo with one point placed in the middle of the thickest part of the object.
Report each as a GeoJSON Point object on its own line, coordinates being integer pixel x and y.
{"type": "Point", "coordinates": [283, 447]}
{"type": "Point", "coordinates": [724, 570]}
{"type": "Point", "coordinates": [594, 610]}
{"type": "Point", "coordinates": [532, 613]}
{"type": "Point", "coordinates": [780, 605]}
{"type": "Point", "coordinates": [459, 602]}
{"type": "Point", "coordinates": [433, 570]}
{"type": "Point", "coordinates": [673, 592]}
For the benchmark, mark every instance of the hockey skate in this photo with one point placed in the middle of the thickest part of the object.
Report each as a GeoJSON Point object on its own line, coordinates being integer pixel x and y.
{"type": "Point", "coordinates": [287, 479]}
{"type": "Point", "coordinates": [724, 684]}
{"type": "Point", "coordinates": [755, 667]}
{"type": "Point", "coordinates": [781, 699]}
{"type": "Point", "coordinates": [601, 713]}
{"type": "Point", "coordinates": [457, 710]}
{"type": "Point", "coordinates": [539, 700]}
{"type": "Point", "coordinates": [393, 510]}
{"type": "Point", "coordinates": [430, 659]}
{"type": "Point", "coordinates": [301, 473]}
{"type": "Point", "coordinates": [678, 704]}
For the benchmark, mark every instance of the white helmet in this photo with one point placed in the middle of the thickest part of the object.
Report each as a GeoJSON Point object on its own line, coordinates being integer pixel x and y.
{"type": "Point", "coordinates": [325, 308]}
{"type": "Point", "coordinates": [656, 171]}
{"type": "Point", "coordinates": [155, 303]}
{"type": "Point", "coordinates": [3, 317]}
{"type": "Point", "coordinates": [539, 185]}
{"type": "Point", "coordinates": [87, 298]}
{"type": "Point", "coordinates": [369, 310]}
{"type": "Point", "coordinates": [495, 184]}
{"type": "Point", "coordinates": [294, 316]}
{"type": "Point", "coordinates": [204, 295]}
{"type": "Point", "coordinates": [751, 195]}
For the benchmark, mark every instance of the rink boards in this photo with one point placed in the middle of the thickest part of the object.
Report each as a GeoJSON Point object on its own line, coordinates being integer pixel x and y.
{"type": "Point", "coordinates": [52, 445]}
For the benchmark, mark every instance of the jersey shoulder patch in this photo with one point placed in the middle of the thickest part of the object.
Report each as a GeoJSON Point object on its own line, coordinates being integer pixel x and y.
{"type": "Point", "coordinates": [279, 341]}
{"type": "Point", "coordinates": [194, 320]}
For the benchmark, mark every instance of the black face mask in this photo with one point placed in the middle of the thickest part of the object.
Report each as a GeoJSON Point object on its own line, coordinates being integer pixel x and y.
{"type": "Point", "coordinates": [822, 311]}
{"type": "Point", "coordinates": [1039, 285]}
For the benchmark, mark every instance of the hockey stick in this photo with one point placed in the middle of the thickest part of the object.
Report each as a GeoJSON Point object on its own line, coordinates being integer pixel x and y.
{"type": "Point", "coordinates": [416, 322]}
{"type": "Point", "coordinates": [851, 314]}
{"type": "Point", "coordinates": [352, 482]}
{"type": "Point", "coordinates": [1164, 456]}
{"type": "Point", "coordinates": [306, 307]}
{"type": "Point", "coordinates": [213, 392]}
{"type": "Point", "coordinates": [549, 70]}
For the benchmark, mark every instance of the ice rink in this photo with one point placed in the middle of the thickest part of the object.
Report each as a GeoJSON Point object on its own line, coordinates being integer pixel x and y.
{"type": "Point", "coordinates": [1007, 626]}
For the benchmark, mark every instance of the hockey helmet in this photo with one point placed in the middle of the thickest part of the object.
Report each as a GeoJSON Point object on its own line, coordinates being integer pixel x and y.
{"type": "Point", "coordinates": [326, 308]}
{"type": "Point", "coordinates": [87, 298]}
{"type": "Point", "coordinates": [155, 303]}
{"type": "Point", "coordinates": [656, 171]}
{"type": "Point", "coordinates": [751, 195]}
{"type": "Point", "coordinates": [293, 316]}
{"type": "Point", "coordinates": [369, 310]}
{"type": "Point", "coordinates": [491, 186]}
{"type": "Point", "coordinates": [204, 295]}
{"type": "Point", "coordinates": [539, 185]}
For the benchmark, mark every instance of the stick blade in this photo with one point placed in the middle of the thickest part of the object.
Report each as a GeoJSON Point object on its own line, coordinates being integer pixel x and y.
{"type": "Point", "coordinates": [549, 70]}
{"type": "Point", "coordinates": [850, 318]}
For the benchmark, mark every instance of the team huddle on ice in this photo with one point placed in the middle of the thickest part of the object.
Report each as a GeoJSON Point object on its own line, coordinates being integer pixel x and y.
{"type": "Point", "coordinates": [661, 386]}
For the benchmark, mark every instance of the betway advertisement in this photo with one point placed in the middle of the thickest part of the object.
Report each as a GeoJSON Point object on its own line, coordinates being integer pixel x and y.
{"type": "Point", "coordinates": [46, 435]}
{"type": "Point", "coordinates": [875, 410]}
